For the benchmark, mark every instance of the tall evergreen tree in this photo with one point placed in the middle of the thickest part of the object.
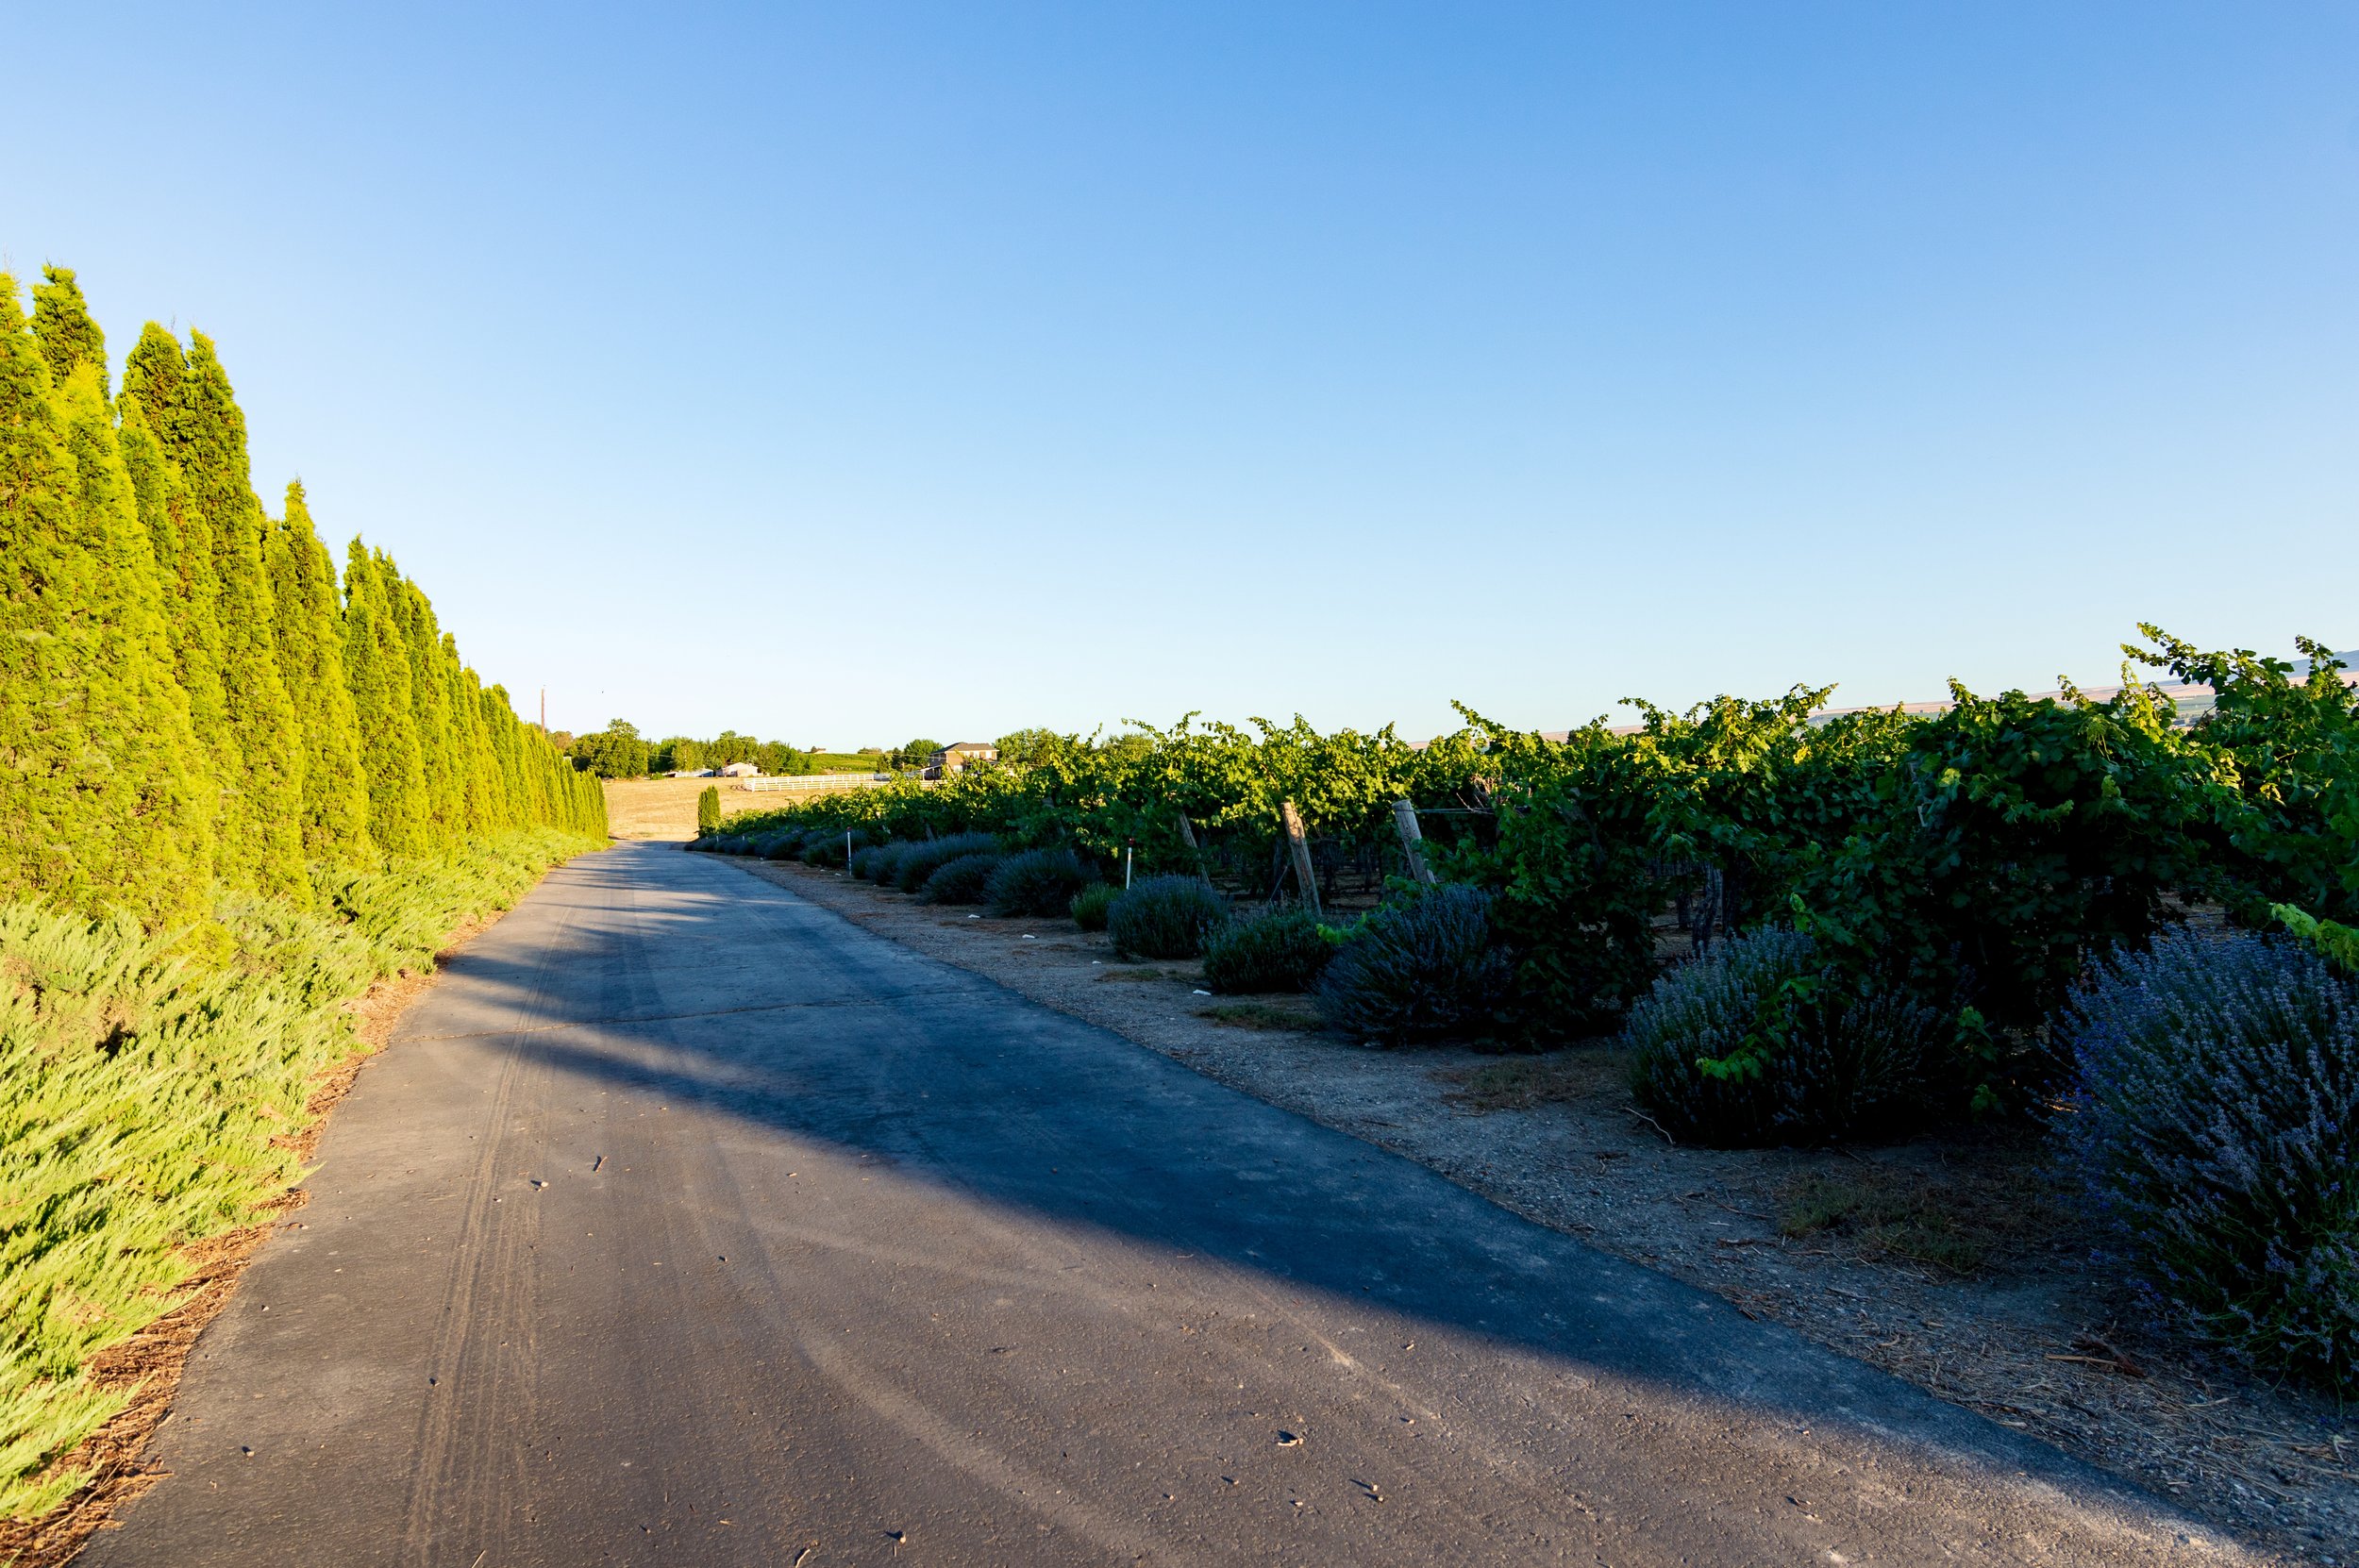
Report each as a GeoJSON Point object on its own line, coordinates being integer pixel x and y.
{"type": "Point", "coordinates": [46, 578]}
{"type": "Point", "coordinates": [154, 484]}
{"type": "Point", "coordinates": [152, 409]}
{"type": "Point", "coordinates": [310, 628]}
{"type": "Point", "coordinates": [429, 706]}
{"type": "Point", "coordinates": [474, 747]}
{"type": "Point", "coordinates": [101, 809]}
{"type": "Point", "coordinates": [157, 797]}
{"type": "Point", "coordinates": [183, 700]}
{"type": "Point", "coordinates": [499, 720]}
{"type": "Point", "coordinates": [67, 334]}
{"type": "Point", "coordinates": [213, 468]}
{"type": "Point", "coordinates": [376, 665]}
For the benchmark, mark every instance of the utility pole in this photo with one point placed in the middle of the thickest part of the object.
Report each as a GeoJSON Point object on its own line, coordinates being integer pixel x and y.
{"type": "Point", "coordinates": [545, 711]}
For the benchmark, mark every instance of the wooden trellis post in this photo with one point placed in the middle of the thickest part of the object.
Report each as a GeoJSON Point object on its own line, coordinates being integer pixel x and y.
{"type": "Point", "coordinates": [1299, 845]}
{"type": "Point", "coordinates": [1412, 841]}
{"type": "Point", "coordinates": [1195, 851]}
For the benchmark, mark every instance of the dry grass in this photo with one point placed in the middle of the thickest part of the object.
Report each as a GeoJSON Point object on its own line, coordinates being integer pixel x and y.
{"type": "Point", "coordinates": [1263, 1015]}
{"type": "Point", "coordinates": [666, 808]}
{"type": "Point", "coordinates": [1580, 1073]}
{"type": "Point", "coordinates": [1958, 1220]}
{"type": "Point", "coordinates": [1145, 973]}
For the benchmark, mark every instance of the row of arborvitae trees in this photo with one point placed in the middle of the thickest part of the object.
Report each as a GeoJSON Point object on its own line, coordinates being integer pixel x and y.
{"type": "Point", "coordinates": [188, 698]}
{"type": "Point", "coordinates": [234, 793]}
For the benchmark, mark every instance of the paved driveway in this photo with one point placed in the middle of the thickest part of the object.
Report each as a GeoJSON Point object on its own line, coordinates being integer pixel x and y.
{"type": "Point", "coordinates": [687, 1224]}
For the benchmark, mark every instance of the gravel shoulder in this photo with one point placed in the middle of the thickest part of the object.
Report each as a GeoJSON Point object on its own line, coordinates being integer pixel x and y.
{"type": "Point", "coordinates": [1947, 1263]}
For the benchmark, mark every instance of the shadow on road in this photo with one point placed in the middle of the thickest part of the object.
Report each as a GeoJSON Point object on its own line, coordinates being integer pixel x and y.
{"type": "Point", "coordinates": [679, 977]}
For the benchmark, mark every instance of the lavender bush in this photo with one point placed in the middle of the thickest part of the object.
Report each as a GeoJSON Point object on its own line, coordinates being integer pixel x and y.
{"type": "Point", "coordinates": [1425, 969]}
{"type": "Point", "coordinates": [1165, 917]}
{"type": "Point", "coordinates": [823, 846]}
{"type": "Point", "coordinates": [1759, 1042]}
{"type": "Point", "coordinates": [2216, 1122]}
{"type": "Point", "coordinates": [1037, 882]}
{"type": "Point", "coordinates": [923, 858]}
{"type": "Point", "coordinates": [1281, 951]}
{"type": "Point", "coordinates": [1089, 906]}
{"type": "Point", "coordinates": [963, 881]}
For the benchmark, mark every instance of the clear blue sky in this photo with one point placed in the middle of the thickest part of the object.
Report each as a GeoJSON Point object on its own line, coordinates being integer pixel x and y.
{"type": "Point", "coordinates": [848, 372]}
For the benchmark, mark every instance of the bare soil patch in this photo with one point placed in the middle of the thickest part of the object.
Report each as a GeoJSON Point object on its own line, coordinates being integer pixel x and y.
{"type": "Point", "coordinates": [1953, 1263]}
{"type": "Point", "coordinates": [152, 1361]}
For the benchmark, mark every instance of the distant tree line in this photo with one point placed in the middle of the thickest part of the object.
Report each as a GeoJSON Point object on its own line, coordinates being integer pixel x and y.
{"type": "Point", "coordinates": [188, 697]}
{"type": "Point", "coordinates": [619, 751]}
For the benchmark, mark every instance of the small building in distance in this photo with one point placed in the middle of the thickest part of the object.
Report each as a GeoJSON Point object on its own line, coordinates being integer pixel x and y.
{"type": "Point", "coordinates": [956, 755]}
{"type": "Point", "coordinates": [741, 770]}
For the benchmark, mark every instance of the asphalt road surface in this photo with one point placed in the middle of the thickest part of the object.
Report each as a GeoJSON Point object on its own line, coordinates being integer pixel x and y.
{"type": "Point", "coordinates": [687, 1224]}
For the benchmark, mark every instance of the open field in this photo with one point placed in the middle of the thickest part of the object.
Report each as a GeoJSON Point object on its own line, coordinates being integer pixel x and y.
{"type": "Point", "coordinates": [666, 808]}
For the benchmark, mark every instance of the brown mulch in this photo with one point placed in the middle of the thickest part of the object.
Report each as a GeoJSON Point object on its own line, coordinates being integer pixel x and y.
{"type": "Point", "coordinates": [151, 1360]}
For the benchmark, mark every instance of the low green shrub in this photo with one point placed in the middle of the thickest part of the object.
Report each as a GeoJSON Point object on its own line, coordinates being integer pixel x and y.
{"type": "Point", "coordinates": [780, 846]}
{"type": "Point", "coordinates": [868, 864]}
{"type": "Point", "coordinates": [1424, 969]}
{"type": "Point", "coordinates": [825, 848]}
{"type": "Point", "coordinates": [2215, 1131]}
{"type": "Point", "coordinates": [1761, 1041]}
{"type": "Point", "coordinates": [1165, 917]}
{"type": "Point", "coordinates": [964, 880]}
{"type": "Point", "coordinates": [924, 858]}
{"type": "Point", "coordinates": [151, 1088]}
{"type": "Point", "coordinates": [1283, 951]}
{"type": "Point", "coordinates": [1089, 905]}
{"type": "Point", "coordinates": [1037, 882]}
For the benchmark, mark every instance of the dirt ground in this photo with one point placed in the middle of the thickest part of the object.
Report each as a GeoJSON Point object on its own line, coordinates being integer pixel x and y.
{"type": "Point", "coordinates": [666, 808]}
{"type": "Point", "coordinates": [1950, 1262]}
